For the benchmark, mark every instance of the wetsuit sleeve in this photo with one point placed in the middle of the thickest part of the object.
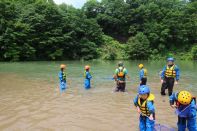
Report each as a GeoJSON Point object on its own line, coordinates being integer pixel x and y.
{"type": "Point", "coordinates": [88, 75]}
{"type": "Point", "coordinates": [116, 72]}
{"type": "Point", "coordinates": [173, 98]}
{"type": "Point", "coordinates": [141, 74]}
{"type": "Point", "coordinates": [163, 73]}
{"type": "Point", "coordinates": [60, 76]}
{"type": "Point", "coordinates": [135, 101]}
{"type": "Point", "coordinates": [193, 108]}
{"type": "Point", "coordinates": [151, 107]}
{"type": "Point", "coordinates": [125, 71]}
{"type": "Point", "coordinates": [177, 73]}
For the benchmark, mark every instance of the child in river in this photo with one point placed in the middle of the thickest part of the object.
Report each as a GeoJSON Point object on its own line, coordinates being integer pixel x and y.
{"type": "Point", "coordinates": [145, 107]}
{"type": "Point", "coordinates": [185, 106]}
{"type": "Point", "coordinates": [88, 77]}
{"type": "Point", "coordinates": [62, 78]}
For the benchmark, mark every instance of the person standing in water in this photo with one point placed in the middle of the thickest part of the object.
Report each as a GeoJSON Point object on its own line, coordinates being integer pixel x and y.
{"type": "Point", "coordinates": [144, 103]}
{"type": "Point", "coordinates": [88, 77]}
{"type": "Point", "coordinates": [120, 77]}
{"type": "Point", "coordinates": [62, 78]}
{"type": "Point", "coordinates": [169, 75]}
{"type": "Point", "coordinates": [185, 106]}
{"type": "Point", "coordinates": [142, 74]}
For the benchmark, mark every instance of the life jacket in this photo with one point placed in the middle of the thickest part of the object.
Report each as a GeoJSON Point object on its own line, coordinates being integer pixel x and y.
{"type": "Point", "coordinates": [170, 71]}
{"type": "Point", "coordinates": [121, 73]}
{"type": "Point", "coordinates": [184, 110]}
{"type": "Point", "coordinates": [64, 75]}
{"type": "Point", "coordinates": [143, 106]}
{"type": "Point", "coordinates": [85, 73]}
{"type": "Point", "coordinates": [145, 73]}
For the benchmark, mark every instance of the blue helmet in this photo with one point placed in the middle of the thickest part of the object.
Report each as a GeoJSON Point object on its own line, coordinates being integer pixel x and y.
{"type": "Point", "coordinates": [144, 89]}
{"type": "Point", "coordinates": [120, 63]}
{"type": "Point", "coordinates": [170, 59]}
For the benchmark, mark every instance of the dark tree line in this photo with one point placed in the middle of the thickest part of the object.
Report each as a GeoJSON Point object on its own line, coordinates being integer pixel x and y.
{"type": "Point", "coordinates": [110, 29]}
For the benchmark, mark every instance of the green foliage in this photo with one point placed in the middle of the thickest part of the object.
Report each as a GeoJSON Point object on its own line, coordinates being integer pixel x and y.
{"type": "Point", "coordinates": [138, 47]}
{"type": "Point", "coordinates": [110, 29]}
{"type": "Point", "coordinates": [194, 52]}
{"type": "Point", "coordinates": [112, 49]}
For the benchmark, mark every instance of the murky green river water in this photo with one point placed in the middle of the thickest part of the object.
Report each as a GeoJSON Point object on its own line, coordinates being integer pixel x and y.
{"type": "Point", "coordinates": [29, 99]}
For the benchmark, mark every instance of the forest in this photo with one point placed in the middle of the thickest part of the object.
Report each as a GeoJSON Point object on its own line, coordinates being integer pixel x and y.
{"type": "Point", "coordinates": [32, 30]}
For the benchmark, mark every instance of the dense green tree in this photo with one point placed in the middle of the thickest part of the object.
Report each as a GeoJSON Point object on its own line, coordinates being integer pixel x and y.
{"type": "Point", "coordinates": [138, 47]}
{"type": "Point", "coordinates": [110, 29]}
{"type": "Point", "coordinates": [194, 52]}
{"type": "Point", "coordinates": [112, 49]}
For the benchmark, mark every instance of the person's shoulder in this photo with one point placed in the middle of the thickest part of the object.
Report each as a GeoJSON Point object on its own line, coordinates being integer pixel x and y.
{"type": "Point", "coordinates": [193, 102]}
{"type": "Point", "coordinates": [150, 102]}
{"type": "Point", "coordinates": [141, 70]}
{"type": "Point", "coordinates": [59, 73]}
{"type": "Point", "coordinates": [136, 98]}
{"type": "Point", "coordinates": [125, 69]}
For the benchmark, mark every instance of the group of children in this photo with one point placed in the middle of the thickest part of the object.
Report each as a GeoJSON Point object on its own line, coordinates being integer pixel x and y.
{"type": "Point", "coordinates": [183, 101]}
{"type": "Point", "coordinates": [62, 78]}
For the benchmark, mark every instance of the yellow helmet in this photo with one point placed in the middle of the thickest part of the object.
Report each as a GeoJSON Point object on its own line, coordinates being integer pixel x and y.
{"type": "Point", "coordinates": [140, 66]}
{"type": "Point", "coordinates": [62, 66]}
{"type": "Point", "coordinates": [184, 97]}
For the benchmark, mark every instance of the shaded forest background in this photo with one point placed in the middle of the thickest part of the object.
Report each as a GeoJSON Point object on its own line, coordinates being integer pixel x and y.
{"type": "Point", "coordinates": [110, 29]}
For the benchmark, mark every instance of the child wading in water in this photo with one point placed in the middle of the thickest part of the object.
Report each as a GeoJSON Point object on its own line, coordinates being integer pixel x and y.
{"type": "Point", "coordinates": [142, 74]}
{"type": "Point", "coordinates": [62, 78]}
{"type": "Point", "coordinates": [145, 107]}
{"type": "Point", "coordinates": [120, 76]}
{"type": "Point", "coordinates": [88, 77]}
{"type": "Point", "coordinates": [185, 106]}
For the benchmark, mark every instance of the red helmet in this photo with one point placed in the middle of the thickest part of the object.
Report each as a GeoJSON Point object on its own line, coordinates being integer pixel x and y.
{"type": "Point", "coordinates": [87, 67]}
{"type": "Point", "coordinates": [62, 66]}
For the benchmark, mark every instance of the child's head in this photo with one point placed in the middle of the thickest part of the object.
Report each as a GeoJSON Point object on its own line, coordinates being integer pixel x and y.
{"type": "Point", "coordinates": [144, 96]}
{"type": "Point", "coordinates": [62, 67]}
{"type": "Point", "coordinates": [120, 64]}
{"type": "Point", "coordinates": [170, 61]}
{"type": "Point", "coordinates": [140, 66]}
{"type": "Point", "coordinates": [87, 67]}
{"type": "Point", "coordinates": [184, 97]}
{"type": "Point", "coordinates": [144, 92]}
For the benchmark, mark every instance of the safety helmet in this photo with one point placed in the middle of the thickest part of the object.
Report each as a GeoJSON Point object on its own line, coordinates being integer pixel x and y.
{"type": "Point", "coordinates": [87, 67]}
{"type": "Point", "coordinates": [143, 89]}
{"type": "Point", "coordinates": [170, 59]}
{"type": "Point", "coordinates": [184, 97]}
{"type": "Point", "coordinates": [120, 63]}
{"type": "Point", "coordinates": [62, 66]}
{"type": "Point", "coordinates": [140, 66]}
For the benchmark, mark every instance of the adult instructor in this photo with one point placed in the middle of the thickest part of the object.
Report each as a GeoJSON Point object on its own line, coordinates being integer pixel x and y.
{"type": "Point", "coordinates": [169, 75]}
{"type": "Point", "coordinates": [120, 77]}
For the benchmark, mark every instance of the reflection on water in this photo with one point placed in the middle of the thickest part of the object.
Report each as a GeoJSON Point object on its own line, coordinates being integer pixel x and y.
{"type": "Point", "coordinates": [29, 99]}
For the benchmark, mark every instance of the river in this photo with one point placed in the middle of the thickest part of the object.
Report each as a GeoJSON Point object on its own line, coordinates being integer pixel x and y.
{"type": "Point", "coordinates": [30, 100]}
